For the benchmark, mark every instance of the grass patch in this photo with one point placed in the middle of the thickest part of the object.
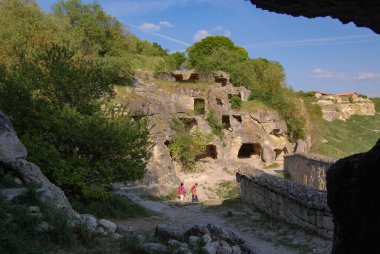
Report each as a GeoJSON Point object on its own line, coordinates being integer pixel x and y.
{"type": "Point", "coordinates": [113, 208]}
{"type": "Point", "coordinates": [172, 195]}
{"type": "Point", "coordinates": [227, 190]}
{"type": "Point", "coordinates": [123, 95]}
{"type": "Point", "coordinates": [173, 86]}
{"type": "Point", "coordinates": [272, 165]}
{"type": "Point", "coordinates": [283, 174]}
{"type": "Point", "coordinates": [145, 63]}
{"type": "Point", "coordinates": [253, 106]}
{"type": "Point", "coordinates": [358, 134]}
{"type": "Point", "coordinates": [20, 233]}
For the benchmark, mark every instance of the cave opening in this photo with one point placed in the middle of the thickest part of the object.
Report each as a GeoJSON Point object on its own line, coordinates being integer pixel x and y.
{"type": "Point", "coordinates": [219, 102]}
{"type": "Point", "coordinates": [210, 152]}
{"type": "Point", "coordinates": [237, 117]}
{"type": "Point", "coordinates": [279, 153]}
{"type": "Point", "coordinates": [190, 123]}
{"type": "Point", "coordinates": [247, 150]}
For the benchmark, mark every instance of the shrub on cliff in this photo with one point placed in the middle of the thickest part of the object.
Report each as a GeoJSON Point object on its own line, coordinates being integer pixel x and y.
{"type": "Point", "coordinates": [186, 146]}
{"type": "Point", "coordinates": [216, 125]}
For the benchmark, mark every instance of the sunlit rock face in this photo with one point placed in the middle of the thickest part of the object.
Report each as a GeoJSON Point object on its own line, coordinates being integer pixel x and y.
{"type": "Point", "coordinates": [363, 13]}
{"type": "Point", "coordinates": [343, 107]}
{"type": "Point", "coordinates": [353, 195]}
{"type": "Point", "coordinates": [248, 135]}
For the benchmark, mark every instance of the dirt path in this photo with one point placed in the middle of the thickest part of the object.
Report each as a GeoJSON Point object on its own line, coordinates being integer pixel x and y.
{"type": "Point", "coordinates": [265, 235]}
{"type": "Point", "coordinates": [215, 185]}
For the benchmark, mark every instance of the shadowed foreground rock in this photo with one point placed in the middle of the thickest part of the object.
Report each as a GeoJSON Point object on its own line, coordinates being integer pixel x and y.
{"type": "Point", "coordinates": [353, 195]}
{"type": "Point", "coordinates": [12, 155]}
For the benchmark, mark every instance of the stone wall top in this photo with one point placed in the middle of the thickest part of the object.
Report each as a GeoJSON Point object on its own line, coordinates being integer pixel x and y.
{"type": "Point", "coordinates": [305, 195]}
{"type": "Point", "coordinates": [313, 156]}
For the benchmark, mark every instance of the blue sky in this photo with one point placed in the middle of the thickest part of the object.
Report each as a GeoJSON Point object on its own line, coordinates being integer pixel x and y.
{"type": "Point", "coordinates": [317, 54]}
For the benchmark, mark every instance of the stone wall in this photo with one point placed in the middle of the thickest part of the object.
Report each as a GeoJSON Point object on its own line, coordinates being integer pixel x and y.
{"type": "Point", "coordinates": [308, 169]}
{"type": "Point", "coordinates": [283, 199]}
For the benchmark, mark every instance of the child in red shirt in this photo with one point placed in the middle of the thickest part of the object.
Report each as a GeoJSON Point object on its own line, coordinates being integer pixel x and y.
{"type": "Point", "coordinates": [194, 195]}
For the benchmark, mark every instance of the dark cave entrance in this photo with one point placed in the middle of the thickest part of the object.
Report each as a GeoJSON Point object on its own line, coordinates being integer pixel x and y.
{"type": "Point", "coordinates": [247, 150]}
{"type": "Point", "coordinates": [279, 154]}
{"type": "Point", "coordinates": [210, 152]}
{"type": "Point", "coordinates": [237, 117]}
{"type": "Point", "coordinates": [226, 121]}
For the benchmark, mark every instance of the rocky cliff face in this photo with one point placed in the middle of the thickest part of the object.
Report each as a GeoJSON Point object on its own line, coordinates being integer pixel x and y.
{"type": "Point", "coordinates": [256, 135]}
{"type": "Point", "coordinates": [334, 107]}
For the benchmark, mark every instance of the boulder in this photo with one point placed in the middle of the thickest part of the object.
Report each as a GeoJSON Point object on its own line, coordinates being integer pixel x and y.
{"type": "Point", "coordinates": [109, 226]}
{"type": "Point", "coordinates": [10, 146]}
{"type": "Point", "coordinates": [166, 233]}
{"type": "Point", "coordinates": [193, 241]}
{"type": "Point", "coordinates": [301, 146]}
{"type": "Point", "coordinates": [353, 195]}
{"type": "Point", "coordinates": [268, 154]}
{"type": "Point", "coordinates": [11, 193]}
{"type": "Point", "coordinates": [90, 220]}
{"type": "Point", "coordinates": [48, 192]}
{"type": "Point", "coordinates": [174, 244]}
{"type": "Point", "coordinates": [154, 248]}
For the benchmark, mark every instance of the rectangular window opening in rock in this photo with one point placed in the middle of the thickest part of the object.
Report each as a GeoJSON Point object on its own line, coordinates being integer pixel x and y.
{"type": "Point", "coordinates": [226, 121]}
{"type": "Point", "coordinates": [199, 106]}
{"type": "Point", "coordinates": [219, 102]}
{"type": "Point", "coordinates": [237, 117]}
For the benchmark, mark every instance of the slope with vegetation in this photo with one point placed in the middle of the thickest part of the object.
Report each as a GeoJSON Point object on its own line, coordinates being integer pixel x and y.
{"type": "Point", "coordinates": [355, 135]}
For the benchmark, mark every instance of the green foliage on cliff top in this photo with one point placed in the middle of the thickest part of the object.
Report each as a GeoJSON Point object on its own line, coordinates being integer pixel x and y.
{"type": "Point", "coordinates": [357, 134]}
{"type": "Point", "coordinates": [265, 78]}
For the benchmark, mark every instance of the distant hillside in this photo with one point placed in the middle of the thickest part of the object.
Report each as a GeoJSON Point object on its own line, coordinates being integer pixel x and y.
{"type": "Point", "coordinates": [357, 134]}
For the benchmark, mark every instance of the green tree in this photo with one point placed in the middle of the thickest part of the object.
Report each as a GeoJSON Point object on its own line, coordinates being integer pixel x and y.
{"type": "Point", "coordinates": [53, 76]}
{"type": "Point", "coordinates": [235, 102]}
{"type": "Point", "coordinates": [95, 31]}
{"type": "Point", "coordinates": [199, 53]}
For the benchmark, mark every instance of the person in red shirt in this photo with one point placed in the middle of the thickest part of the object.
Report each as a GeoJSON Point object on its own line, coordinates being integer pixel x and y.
{"type": "Point", "coordinates": [181, 192]}
{"type": "Point", "coordinates": [194, 195]}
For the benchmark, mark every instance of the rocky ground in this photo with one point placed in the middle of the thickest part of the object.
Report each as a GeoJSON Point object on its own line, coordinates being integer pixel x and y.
{"type": "Point", "coordinates": [262, 233]}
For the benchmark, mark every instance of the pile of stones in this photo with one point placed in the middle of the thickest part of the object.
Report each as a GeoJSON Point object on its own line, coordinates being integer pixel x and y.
{"type": "Point", "coordinates": [209, 239]}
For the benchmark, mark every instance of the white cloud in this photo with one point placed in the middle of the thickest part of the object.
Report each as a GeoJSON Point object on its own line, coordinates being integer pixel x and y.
{"type": "Point", "coordinates": [200, 35]}
{"type": "Point", "coordinates": [149, 27]}
{"type": "Point", "coordinates": [165, 24]}
{"type": "Point", "coordinates": [220, 30]}
{"type": "Point", "coordinates": [319, 73]}
{"type": "Point", "coordinates": [367, 76]}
